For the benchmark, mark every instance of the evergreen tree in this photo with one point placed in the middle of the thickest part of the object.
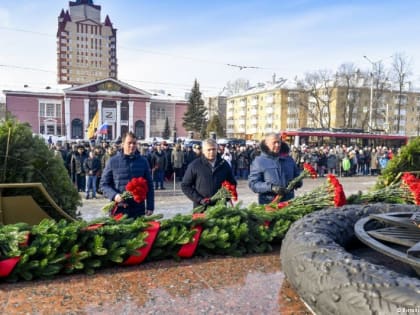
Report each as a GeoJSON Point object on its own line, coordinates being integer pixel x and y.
{"type": "Point", "coordinates": [195, 117]}
{"type": "Point", "coordinates": [166, 131]}
{"type": "Point", "coordinates": [26, 159]}
{"type": "Point", "coordinates": [215, 125]}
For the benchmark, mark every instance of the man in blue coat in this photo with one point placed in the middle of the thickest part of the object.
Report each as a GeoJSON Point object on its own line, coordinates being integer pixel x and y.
{"type": "Point", "coordinates": [271, 171]}
{"type": "Point", "coordinates": [119, 170]}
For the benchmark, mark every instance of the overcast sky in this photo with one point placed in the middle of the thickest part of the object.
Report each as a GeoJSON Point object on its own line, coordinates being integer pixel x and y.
{"type": "Point", "coordinates": [167, 44]}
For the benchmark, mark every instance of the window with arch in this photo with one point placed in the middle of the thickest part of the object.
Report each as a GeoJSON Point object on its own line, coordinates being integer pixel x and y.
{"type": "Point", "coordinates": [139, 129]}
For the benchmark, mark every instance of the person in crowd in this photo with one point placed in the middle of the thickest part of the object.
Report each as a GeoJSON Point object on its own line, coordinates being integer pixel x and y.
{"type": "Point", "coordinates": [374, 162]}
{"type": "Point", "coordinates": [267, 178]}
{"type": "Point", "coordinates": [243, 163]}
{"type": "Point", "coordinates": [92, 167]}
{"type": "Point", "coordinates": [383, 160]}
{"type": "Point", "coordinates": [119, 170]}
{"type": "Point", "coordinates": [159, 165]}
{"type": "Point", "coordinates": [77, 161]}
{"type": "Point", "coordinates": [144, 152]}
{"type": "Point", "coordinates": [189, 156]}
{"type": "Point", "coordinates": [346, 165]}
{"type": "Point", "coordinates": [204, 176]}
{"type": "Point", "coordinates": [227, 156]}
{"type": "Point", "coordinates": [290, 168]}
{"type": "Point", "coordinates": [322, 163]}
{"type": "Point", "coordinates": [331, 162]}
{"type": "Point", "coordinates": [177, 159]}
{"type": "Point", "coordinates": [168, 153]}
{"type": "Point", "coordinates": [197, 150]}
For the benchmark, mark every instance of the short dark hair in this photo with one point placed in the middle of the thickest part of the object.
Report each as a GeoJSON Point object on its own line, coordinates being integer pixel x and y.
{"type": "Point", "coordinates": [128, 134]}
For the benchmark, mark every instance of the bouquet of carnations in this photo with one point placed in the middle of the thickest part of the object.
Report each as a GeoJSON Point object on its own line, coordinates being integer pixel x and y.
{"type": "Point", "coordinates": [136, 189]}
{"type": "Point", "coordinates": [406, 191]}
{"type": "Point", "coordinates": [329, 194]}
{"type": "Point", "coordinates": [227, 192]}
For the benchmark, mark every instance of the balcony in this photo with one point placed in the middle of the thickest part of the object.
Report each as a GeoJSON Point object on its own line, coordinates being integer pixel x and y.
{"type": "Point", "coordinates": [269, 120]}
{"type": "Point", "coordinates": [253, 112]}
{"type": "Point", "coordinates": [242, 103]}
{"type": "Point", "coordinates": [267, 130]}
{"type": "Point", "coordinates": [269, 110]}
{"type": "Point", "coordinates": [241, 121]}
{"type": "Point", "coordinates": [242, 113]}
{"type": "Point", "coordinates": [254, 121]}
{"type": "Point", "coordinates": [254, 101]}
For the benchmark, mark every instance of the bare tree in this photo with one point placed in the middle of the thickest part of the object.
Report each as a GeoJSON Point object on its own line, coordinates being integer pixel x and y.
{"type": "Point", "coordinates": [319, 87]}
{"type": "Point", "coordinates": [349, 77]}
{"type": "Point", "coordinates": [400, 72]}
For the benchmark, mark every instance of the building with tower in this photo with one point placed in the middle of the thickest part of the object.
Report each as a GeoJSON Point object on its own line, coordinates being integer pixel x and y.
{"type": "Point", "coordinates": [86, 46]}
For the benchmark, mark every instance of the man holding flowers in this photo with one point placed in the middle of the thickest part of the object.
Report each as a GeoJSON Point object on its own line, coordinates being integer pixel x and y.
{"type": "Point", "coordinates": [120, 171]}
{"type": "Point", "coordinates": [204, 176]}
{"type": "Point", "coordinates": [272, 171]}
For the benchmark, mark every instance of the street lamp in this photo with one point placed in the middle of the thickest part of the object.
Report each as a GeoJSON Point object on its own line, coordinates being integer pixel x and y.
{"type": "Point", "coordinates": [371, 91]}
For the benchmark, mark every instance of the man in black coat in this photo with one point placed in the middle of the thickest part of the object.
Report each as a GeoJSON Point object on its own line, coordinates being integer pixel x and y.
{"type": "Point", "coordinates": [204, 175]}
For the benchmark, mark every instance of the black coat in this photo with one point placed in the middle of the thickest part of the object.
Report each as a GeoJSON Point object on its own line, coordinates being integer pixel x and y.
{"type": "Point", "coordinates": [202, 181]}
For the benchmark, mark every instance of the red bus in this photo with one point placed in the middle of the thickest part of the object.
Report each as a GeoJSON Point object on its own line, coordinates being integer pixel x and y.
{"type": "Point", "coordinates": [348, 137]}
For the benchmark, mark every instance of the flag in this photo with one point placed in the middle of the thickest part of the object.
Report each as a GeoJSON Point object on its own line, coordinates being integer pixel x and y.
{"type": "Point", "coordinates": [93, 125]}
{"type": "Point", "coordinates": [103, 129]}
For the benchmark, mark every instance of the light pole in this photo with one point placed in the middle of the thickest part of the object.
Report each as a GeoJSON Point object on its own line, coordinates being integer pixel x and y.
{"type": "Point", "coordinates": [371, 91]}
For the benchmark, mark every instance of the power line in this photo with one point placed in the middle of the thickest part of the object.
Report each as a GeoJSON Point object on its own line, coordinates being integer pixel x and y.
{"type": "Point", "coordinates": [152, 52]}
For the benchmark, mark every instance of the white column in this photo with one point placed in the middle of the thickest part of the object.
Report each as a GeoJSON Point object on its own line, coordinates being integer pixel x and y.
{"type": "Point", "coordinates": [147, 122]}
{"type": "Point", "coordinates": [67, 118]}
{"type": "Point", "coordinates": [99, 112]}
{"type": "Point", "coordinates": [130, 116]}
{"type": "Point", "coordinates": [86, 116]}
{"type": "Point", "coordinates": [118, 133]}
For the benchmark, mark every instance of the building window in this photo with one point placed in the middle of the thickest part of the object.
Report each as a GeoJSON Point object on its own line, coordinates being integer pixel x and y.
{"type": "Point", "coordinates": [52, 109]}
{"type": "Point", "coordinates": [77, 129]}
{"type": "Point", "coordinates": [139, 129]}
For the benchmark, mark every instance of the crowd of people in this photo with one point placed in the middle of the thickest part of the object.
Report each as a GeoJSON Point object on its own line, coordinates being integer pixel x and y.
{"type": "Point", "coordinates": [268, 166]}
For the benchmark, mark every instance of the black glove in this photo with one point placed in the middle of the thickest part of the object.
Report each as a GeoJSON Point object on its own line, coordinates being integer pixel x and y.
{"type": "Point", "coordinates": [298, 185]}
{"type": "Point", "coordinates": [278, 190]}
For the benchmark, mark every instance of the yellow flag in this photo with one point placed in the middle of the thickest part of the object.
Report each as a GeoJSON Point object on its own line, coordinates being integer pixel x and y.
{"type": "Point", "coordinates": [93, 125]}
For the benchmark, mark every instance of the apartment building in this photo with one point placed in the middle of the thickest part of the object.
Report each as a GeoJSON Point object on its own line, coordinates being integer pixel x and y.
{"type": "Point", "coordinates": [257, 111]}
{"type": "Point", "coordinates": [276, 107]}
{"type": "Point", "coordinates": [86, 47]}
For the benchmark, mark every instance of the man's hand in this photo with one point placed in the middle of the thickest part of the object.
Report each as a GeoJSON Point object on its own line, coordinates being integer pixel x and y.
{"type": "Point", "coordinates": [118, 198]}
{"type": "Point", "coordinates": [205, 202]}
{"type": "Point", "coordinates": [298, 185]}
{"type": "Point", "coordinates": [278, 190]}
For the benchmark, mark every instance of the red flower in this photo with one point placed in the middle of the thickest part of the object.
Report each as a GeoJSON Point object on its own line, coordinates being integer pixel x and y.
{"type": "Point", "coordinates": [412, 184]}
{"type": "Point", "coordinates": [231, 188]}
{"type": "Point", "coordinates": [282, 204]}
{"type": "Point", "coordinates": [309, 169]}
{"type": "Point", "coordinates": [138, 189]}
{"type": "Point", "coordinates": [337, 189]}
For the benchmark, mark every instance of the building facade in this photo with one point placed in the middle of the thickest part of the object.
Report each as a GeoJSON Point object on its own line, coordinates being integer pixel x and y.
{"type": "Point", "coordinates": [86, 47]}
{"type": "Point", "coordinates": [216, 106]}
{"type": "Point", "coordinates": [121, 107]}
{"type": "Point", "coordinates": [269, 108]}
